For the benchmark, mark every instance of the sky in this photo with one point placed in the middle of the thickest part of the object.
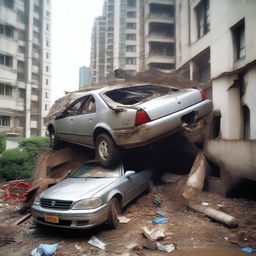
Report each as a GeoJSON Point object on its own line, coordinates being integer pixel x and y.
{"type": "Point", "coordinates": [72, 22]}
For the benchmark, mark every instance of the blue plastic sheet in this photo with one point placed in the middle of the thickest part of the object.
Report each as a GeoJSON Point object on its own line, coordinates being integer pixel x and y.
{"type": "Point", "coordinates": [248, 250]}
{"type": "Point", "coordinates": [45, 250]}
{"type": "Point", "coordinates": [160, 221]}
{"type": "Point", "coordinates": [162, 213]}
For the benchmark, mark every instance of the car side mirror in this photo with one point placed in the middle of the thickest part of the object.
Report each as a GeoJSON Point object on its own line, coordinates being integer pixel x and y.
{"type": "Point", "coordinates": [129, 173]}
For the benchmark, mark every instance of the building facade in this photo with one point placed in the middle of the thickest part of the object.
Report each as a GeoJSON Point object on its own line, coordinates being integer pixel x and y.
{"type": "Point", "coordinates": [25, 66]}
{"type": "Point", "coordinates": [139, 35]}
{"type": "Point", "coordinates": [216, 42]}
{"type": "Point", "coordinates": [84, 77]}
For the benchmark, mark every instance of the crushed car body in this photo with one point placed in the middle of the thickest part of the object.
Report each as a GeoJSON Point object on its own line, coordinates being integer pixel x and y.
{"type": "Point", "coordinates": [92, 195]}
{"type": "Point", "coordinates": [126, 117]}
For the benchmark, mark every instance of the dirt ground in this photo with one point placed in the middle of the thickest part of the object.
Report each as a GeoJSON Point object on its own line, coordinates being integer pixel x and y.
{"type": "Point", "coordinates": [191, 232]}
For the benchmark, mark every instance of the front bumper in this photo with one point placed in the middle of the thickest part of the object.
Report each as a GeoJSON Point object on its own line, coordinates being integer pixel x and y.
{"type": "Point", "coordinates": [146, 133]}
{"type": "Point", "coordinates": [75, 219]}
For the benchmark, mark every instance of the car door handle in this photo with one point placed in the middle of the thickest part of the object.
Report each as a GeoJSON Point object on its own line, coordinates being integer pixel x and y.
{"type": "Point", "coordinates": [71, 119]}
{"type": "Point", "coordinates": [90, 120]}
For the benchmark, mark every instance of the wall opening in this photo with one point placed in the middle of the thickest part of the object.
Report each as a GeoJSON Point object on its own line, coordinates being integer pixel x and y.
{"type": "Point", "coordinates": [246, 112]}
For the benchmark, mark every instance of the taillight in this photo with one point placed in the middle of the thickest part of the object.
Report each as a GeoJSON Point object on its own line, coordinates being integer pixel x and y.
{"type": "Point", "coordinates": [203, 95]}
{"type": "Point", "coordinates": [141, 117]}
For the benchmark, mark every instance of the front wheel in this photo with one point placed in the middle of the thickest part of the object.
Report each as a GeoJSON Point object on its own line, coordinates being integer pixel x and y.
{"type": "Point", "coordinates": [54, 143]}
{"type": "Point", "coordinates": [106, 150]}
{"type": "Point", "coordinates": [114, 211]}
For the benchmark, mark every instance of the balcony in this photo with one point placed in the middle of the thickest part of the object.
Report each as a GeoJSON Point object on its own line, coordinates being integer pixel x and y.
{"type": "Point", "coordinates": [170, 2]}
{"type": "Point", "coordinates": [9, 15]}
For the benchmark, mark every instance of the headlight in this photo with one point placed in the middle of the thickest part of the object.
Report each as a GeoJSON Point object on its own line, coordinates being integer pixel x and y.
{"type": "Point", "coordinates": [37, 200]}
{"type": "Point", "coordinates": [85, 204]}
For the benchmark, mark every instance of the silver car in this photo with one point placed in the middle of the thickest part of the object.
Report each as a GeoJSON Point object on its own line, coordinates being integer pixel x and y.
{"type": "Point", "coordinates": [91, 196]}
{"type": "Point", "coordinates": [127, 117]}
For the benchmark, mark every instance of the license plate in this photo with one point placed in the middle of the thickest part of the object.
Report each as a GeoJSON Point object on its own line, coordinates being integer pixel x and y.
{"type": "Point", "coordinates": [51, 218]}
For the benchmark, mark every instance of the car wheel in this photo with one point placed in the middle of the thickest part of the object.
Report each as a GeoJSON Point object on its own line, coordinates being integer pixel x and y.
{"type": "Point", "coordinates": [106, 150]}
{"type": "Point", "coordinates": [114, 211]}
{"type": "Point", "coordinates": [54, 143]}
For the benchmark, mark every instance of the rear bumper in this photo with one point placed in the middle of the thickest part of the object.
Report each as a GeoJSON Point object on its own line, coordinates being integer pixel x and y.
{"type": "Point", "coordinates": [156, 129]}
{"type": "Point", "coordinates": [75, 219]}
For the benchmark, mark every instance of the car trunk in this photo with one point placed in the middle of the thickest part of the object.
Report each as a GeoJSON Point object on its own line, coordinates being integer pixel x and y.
{"type": "Point", "coordinates": [171, 103]}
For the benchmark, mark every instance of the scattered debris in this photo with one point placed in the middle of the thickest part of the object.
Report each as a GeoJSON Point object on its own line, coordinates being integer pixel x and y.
{"type": "Point", "coordinates": [248, 250]}
{"type": "Point", "coordinates": [217, 215]}
{"type": "Point", "coordinates": [205, 204]}
{"type": "Point", "coordinates": [45, 250]}
{"type": "Point", "coordinates": [160, 220]}
{"type": "Point", "coordinates": [162, 213]}
{"type": "Point", "coordinates": [94, 241]}
{"type": "Point", "coordinates": [19, 221]}
{"type": "Point", "coordinates": [123, 219]}
{"type": "Point", "coordinates": [157, 202]}
{"type": "Point", "coordinates": [17, 190]}
{"type": "Point", "coordinates": [8, 234]}
{"type": "Point", "coordinates": [148, 244]}
{"type": "Point", "coordinates": [154, 234]}
{"type": "Point", "coordinates": [170, 177]}
{"type": "Point", "coordinates": [165, 248]}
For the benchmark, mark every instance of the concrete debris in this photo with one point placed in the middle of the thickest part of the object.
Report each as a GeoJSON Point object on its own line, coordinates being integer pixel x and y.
{"type": "Point", "coordinates": [154, 234]}
{"type": "Point", "coordinates": [123, 219]}
{"type": "Point", "coordinates": [195, 182]}
{"type": "Point", "coordinates": [165, 248]}
{"type": "Point", "coordinates": [148, 244]}
{"type": "Point", "coordinates": [219, 216]}
{"type": "Point", "coordinates": [94, 241]}
{"type": "Point", "coordinates": [170, 177]}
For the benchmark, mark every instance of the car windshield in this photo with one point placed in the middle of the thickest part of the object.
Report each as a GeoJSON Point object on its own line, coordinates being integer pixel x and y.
{"type": "Point", "coordinates": [136, 94]}
{"type": "Point", "coordinates": [94, 170]}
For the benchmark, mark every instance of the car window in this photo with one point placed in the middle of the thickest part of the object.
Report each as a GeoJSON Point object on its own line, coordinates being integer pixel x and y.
{"type": "Point", "coordinates": [89, 106]}
{"type": "Point", "coordinates": [74, 108]}
{"type": "Point", "coordinates": [136, 94]}
{"type": "Point", "coordinates": [94, 170]}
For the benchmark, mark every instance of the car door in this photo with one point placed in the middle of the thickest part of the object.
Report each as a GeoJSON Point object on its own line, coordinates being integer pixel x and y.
{"type": "Point", "coordinates": [86, 121]}
{"type": "Point", "coordinates": [65, 124]}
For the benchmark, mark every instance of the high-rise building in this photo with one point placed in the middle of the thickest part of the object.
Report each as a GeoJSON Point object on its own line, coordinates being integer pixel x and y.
{"type": "Point", "coordinates": [84, 77]}
{"type": "Point", "coordinates": [139, 35]}
{"type": "Point", "coordinates": [25, 66]}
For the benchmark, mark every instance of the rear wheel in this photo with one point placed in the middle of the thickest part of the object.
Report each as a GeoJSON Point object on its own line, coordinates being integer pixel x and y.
{"type": "Point", "coordinates": [54, 143]}
{"type": "Point", "coordinates": [114, 211]}
{"type": "Point", "coordinates": [106, 150]}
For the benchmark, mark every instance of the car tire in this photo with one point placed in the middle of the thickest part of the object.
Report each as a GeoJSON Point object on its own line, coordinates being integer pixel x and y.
{"type": "Point", "coordinates": [106, 151]}
{"type": "Point", "coordinates": [114, 211]}
{"type": "Point", "coordinates": [54, 143]}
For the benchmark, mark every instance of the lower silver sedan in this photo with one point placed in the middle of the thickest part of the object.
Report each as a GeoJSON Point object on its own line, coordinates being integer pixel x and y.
{"type": "Point", "coordinates": [91, 196]}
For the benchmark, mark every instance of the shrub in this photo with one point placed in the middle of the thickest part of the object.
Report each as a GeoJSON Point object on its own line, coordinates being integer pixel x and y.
{"type": "Point", "coordinates": [2, 142]}
{"type": "Point", "coordinates": [20, 163]}
{"type": "Point", "coordinates": [14, 164]}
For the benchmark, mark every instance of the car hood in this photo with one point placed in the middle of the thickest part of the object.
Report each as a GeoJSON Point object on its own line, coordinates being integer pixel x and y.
{"type": "Point", "coordinates": [76, 188]}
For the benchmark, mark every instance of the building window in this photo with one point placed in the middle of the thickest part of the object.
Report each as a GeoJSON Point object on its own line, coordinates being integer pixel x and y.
{"type": "Point", "coordinates": [5, 120]}
{"type": "Point", "coordinates": [131, 25]}
{"type": "Point", "coordinates": [21, 17]}
{"type": "Point", "coordinates": [130, 61]}
{"type": "Point", "coordinates": [5, 90]}
{"type": "Point", "coordinates": [131, 3]}
{"type": "Point", "coordinates": [239, 40]}
{"type": "Point", "coordinates": [131, 48]}
{"type": "Point", "coordinates": [21, 76]}
{"type": "Point", "coordinates": [47, 55]}
{"type": "Point", "coordinates": [46, 95]}
{"type": "Point", "coordinates": [35, 76]}
{"type": "Point", "coordinates": [34, 132]}
{"type": "Point", "coordinates": [47, 27]}
{"type": "Point", "coordinates": [6, 60]}
{"type": "Point", "coordinates": [45, 107]}
{"type": "Point", "coordinates": [22, 35]}
{"type": "Point", "coordinates": [131, 14]}
{"type": "Point", "coordinates": [34, 91]}
{"type": "Point", "coordinates": [131, 37]}
{"type": "Point", "coordinates": [203, 19]}
{"type": "Point", "coordinates": [47, 43]}
{"type": "Point", "coordinates": [9, 3]}
{"type": "Point", "coordinates": [22, 93]}
{"type": "Point", "coordinates": [46, 81]}
{"type": "Point", "coordinates": [35, 35]}
{"type": "Point", "coordinates": [6, 30]}
{"type": "Point", "coordinates": [47, 68]}
{"type": "Point", "coordinates": [36, 22]}
{"type": "Point", "coordinates": [22, 49]}
{"type": "Point", "coordinates": [36, 8]}
{"type": "Point", "coordinates": [47, 13]}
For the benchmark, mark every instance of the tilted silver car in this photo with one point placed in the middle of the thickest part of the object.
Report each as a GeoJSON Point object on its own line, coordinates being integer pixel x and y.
{"type": "Point", "coordinates": [91, 196]}
{"type": "Point", "coordinates": [127, 117]}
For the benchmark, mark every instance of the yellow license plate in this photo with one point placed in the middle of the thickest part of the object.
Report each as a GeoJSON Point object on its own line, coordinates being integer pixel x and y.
{"type": "Point", "coordinates": [51, 218]}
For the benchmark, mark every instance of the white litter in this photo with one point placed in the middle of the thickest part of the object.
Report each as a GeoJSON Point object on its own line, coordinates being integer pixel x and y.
{"type": "Point", "coordinates": [94, 241]}
{"type": "Point", "coordinates": [154, 234]}
{"type": "Point", "coordinates": [123, 219]}
{"type": "Point", "coordinates": [205, 204]}
{"type": "Point", "coordinates": [165, 248]}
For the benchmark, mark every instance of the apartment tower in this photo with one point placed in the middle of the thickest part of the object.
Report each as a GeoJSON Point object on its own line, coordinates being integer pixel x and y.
{"type": "Point", "coordinates": [25, 66]}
